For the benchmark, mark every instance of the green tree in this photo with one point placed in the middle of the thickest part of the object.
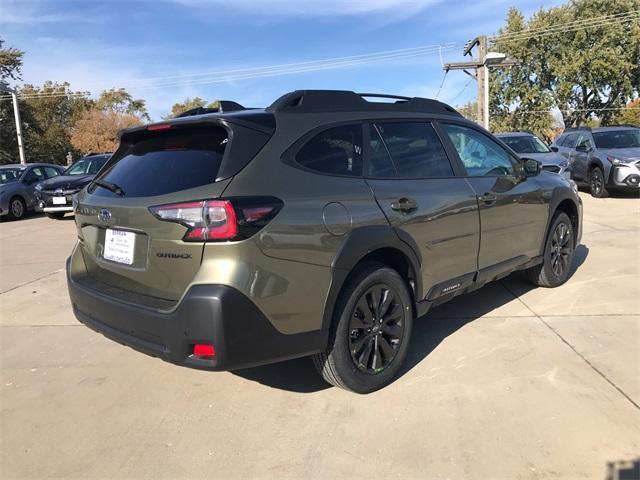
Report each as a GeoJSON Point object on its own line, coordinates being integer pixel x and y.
{"type": "Point", "coordinates": [120, 101]}
{"type": "Point", "coordinates": [583, 72]}
{"type": "Point", "coordinates": [630, 116]}
{"type": "Point", "coordinates": [48, 115]}
{"type": "Point", "coordinates": [189, 104]}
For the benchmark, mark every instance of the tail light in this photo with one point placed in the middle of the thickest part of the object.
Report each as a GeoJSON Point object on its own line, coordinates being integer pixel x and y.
{"type": "Point", "coordinates": [220, 220]}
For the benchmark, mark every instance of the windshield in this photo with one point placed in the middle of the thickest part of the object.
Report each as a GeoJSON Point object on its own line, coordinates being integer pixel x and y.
{"type": "Point", "coordinates": [8, 175]}
{"type": "Point", "coordinates": [617, 139]}
{"type": "Point", "coordinates": [86, 166]}
{"type": "Point", "coordinates": [526, 144]}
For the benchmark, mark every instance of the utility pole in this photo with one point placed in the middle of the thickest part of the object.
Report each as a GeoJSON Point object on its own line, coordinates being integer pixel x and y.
{"type": "Point", "coordinates": [16, 113]}
{"type": "Point", "coordinates": [481, 65]}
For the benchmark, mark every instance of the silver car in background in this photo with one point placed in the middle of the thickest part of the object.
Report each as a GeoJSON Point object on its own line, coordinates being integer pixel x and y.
{"type": "Point", "coordinates": [528, 145]}
{"type": "Point", "coordinates": [603, 158]}
{"type": "Point", "coordinates": [17, 187]}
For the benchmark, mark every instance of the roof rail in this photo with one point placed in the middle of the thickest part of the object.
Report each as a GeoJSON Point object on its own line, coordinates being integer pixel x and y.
{"type": "Point", "coordinates": [225, 106]}
{"type": "Point", "coordinates": [316, 101]}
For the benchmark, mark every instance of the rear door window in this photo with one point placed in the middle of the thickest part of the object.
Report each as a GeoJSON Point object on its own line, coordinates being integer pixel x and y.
{"type": "Point", "coordinates": [415, 150]}
{"type": "Point", "coordinates": [335, 151]}
{"type": "Point", "coordinates": [164, 162]}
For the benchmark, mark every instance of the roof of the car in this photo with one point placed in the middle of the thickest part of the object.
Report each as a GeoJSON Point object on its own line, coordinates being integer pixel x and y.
{"type": "Point", "coordinates": [613, 127]}
{"type": "Point", "coordinates": [514, 134]}
{"type": "Point", "coordinates": [25, 165]}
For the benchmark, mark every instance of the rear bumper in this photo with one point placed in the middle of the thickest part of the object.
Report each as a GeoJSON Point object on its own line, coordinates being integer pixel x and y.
{"type": "Point", "coordinates": [242, 336]}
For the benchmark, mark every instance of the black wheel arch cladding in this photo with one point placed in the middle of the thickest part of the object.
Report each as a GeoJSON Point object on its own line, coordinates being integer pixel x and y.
{"type": "Point", "coordinates": [361, 243]}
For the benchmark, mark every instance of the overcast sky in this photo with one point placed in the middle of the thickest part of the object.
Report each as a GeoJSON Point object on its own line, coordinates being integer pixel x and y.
{"type": "Point", "coordinates": [152, 47]}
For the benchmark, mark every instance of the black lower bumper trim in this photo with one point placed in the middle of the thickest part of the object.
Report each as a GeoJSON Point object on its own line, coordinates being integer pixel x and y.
{"type": "Point", "coordinates": [242, 336]}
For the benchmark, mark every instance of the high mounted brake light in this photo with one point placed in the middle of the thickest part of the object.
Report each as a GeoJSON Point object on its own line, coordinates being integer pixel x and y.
{"type": "Point", "coordinates": [219, 220]}
{"type": "Point", "coordinates": [159, 126]}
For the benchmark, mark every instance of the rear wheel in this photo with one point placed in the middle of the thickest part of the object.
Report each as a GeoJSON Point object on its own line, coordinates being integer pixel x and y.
{"type": "Point", "coordinates": [558, 254]}
{"type": "Point", "coordinates": [17, 208]}
{"type": "Point", "coordinates": [596, 183]}
{"type": "Point", "coordinates": [370, 333]}
{"type": "Point", "coordinates": [55, 215]}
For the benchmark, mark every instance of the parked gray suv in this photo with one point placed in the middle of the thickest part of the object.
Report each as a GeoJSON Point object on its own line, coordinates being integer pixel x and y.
{"type": "Point", "coordinates": [604, 158]}
{"type": "Point", "coordinates": [320, 226]}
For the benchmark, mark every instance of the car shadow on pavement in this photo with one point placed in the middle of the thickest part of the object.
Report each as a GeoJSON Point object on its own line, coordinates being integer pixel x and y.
{"type": "Point", "coordinates": [428, 332]}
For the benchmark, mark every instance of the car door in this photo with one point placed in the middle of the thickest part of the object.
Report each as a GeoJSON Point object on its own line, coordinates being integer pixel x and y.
{"type": "Point", "coordinates": [513, 209]}
{"type": "Point", "coordinates": [579, 158]}
{"type": "Point", "coordinates": [430, 206]}
{"type": "Point", "coordinates": [31, 178]}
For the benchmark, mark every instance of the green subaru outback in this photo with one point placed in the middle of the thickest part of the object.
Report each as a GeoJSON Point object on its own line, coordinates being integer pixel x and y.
{"type": "Point", "coordinates": [320, 226]}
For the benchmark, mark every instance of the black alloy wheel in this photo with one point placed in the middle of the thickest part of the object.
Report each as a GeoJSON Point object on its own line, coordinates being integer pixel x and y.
{"type": "Point", "coordinates": [596, 183]}
{"type": "Point", "coordinates": [376, 329]}
{"type": "Point", "coordinates": [561, 250]}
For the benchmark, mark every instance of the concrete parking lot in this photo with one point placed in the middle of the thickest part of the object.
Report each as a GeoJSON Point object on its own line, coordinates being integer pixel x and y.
{"type": "Point", "coordinates": [508, 382]}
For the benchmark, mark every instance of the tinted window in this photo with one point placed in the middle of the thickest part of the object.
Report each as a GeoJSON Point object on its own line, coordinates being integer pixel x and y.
{"type": "Point", "coordinates": [570, 141]}
{"type": "Point", "coordinates": [380, 164]}
{"type": "Point", "coordinates": [617, 139]}
{"type": "Point", "coordinates": [8, 175]}
{"type": "Point", "coordinates": [583, 141]}
{"type": "Point", "coordinates": [337, 151]}
{"type": "Point", "coordinates": [480, 155]}
{"type": "Point", "coordinates": [96, 164]}
{"type": "Point", "coordinates": [167, 162]}
{"type": "Point", "coordinates": [51, 172]}
{"type": "Point", "coordinates": [35, 174]}
{"type": "Point", "coordinates": [415, 149]}
{"type": "Point", "coordinates": [525, 144]}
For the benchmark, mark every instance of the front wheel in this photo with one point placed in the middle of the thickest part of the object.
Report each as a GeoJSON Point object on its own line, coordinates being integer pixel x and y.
{"type": "Point", "coordinates": [558, 254]}
{"type": "Point", "coordinates": [596, 183]}
{"type": "Point", "coordinates": [370, 334]}
{"type": "Point", "coordinates": [17, 208]}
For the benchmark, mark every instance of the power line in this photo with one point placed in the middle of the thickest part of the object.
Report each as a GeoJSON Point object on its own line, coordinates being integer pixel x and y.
{"type": "Point", "coordinates": [586, 21]}
{"type": "Point", "coordinates": [341, 62]}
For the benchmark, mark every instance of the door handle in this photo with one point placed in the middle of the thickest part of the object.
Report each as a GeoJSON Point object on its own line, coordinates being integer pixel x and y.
{"type": "Point", "coordinates": [404, 204]}
{"type": "Point", "coordinates": [488, 198]}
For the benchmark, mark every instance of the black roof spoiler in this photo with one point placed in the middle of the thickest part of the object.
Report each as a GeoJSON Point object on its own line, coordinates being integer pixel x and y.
{"type": "Point", "coordinates": [225, 106]}
{"type": "Point", "coordinates": [317, 101]}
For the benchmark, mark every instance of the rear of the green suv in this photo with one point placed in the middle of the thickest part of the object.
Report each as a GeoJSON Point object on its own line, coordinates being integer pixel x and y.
{"type": "Point", "coordinates": [322, 225]}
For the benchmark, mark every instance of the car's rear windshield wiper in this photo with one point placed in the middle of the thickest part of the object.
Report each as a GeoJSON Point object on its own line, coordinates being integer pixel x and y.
{"type": "Point", "coordinates": [110, 186]}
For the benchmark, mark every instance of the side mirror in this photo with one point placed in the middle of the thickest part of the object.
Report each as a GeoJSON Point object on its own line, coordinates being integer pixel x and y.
{"type": "Point", "coordinates": [554, 149]}
{"type": "Point", "coordinates": [532, 167]}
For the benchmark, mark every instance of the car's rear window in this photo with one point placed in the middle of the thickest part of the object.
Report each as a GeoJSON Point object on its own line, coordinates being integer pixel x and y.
{"type": "Point", "coordinates": [167, 162]}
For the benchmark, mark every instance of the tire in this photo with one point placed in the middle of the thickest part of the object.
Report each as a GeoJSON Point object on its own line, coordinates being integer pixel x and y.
{"type": "Point", "coordinates": [55, 215]}
{"type": "Point", "coordinates": [558, 254]}
{"type": "Point", "coordinates": [17, 208]}
{"type": "Point", "coordinates": [365, 353]}
{"type": "Point", "coordinates": [596, 183]}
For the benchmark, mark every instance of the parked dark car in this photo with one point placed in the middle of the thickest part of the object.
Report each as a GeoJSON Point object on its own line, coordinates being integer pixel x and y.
{"type": "Point", "coordinates": [18, 184]}
{"type": "Point", "coordinates": [322, 225]}
{"type": "Point", "coordinates": [529, 145]}
{"type": "Point", "coordinates": [55, 196]}
{"type": "Point", "coordinates": [604, 159]}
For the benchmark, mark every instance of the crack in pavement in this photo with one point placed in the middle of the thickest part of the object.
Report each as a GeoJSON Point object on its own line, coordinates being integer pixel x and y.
{"type": "Point", "coordinates": [31, 281]}
{"type": "Point", "coordinates": [584, 359]}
